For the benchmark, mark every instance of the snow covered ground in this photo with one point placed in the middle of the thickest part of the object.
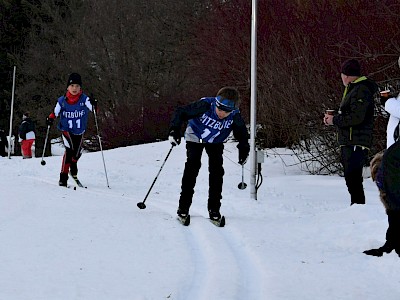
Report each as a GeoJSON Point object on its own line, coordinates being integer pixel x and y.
{"type": "Point", "coordinates": [299, 240]}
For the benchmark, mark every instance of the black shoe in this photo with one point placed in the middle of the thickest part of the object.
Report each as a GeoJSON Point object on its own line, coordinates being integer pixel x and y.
{"type": "Point", "coordinates": [214, 215]}
{"type": "Point", "coordinates": [183, 213]}
{"type": "Point", "coordinates": [387, 247]}
{"type": "Point", "coordinates": [63, 179]}
{"type": "Point", "coordinates": [374, 252]}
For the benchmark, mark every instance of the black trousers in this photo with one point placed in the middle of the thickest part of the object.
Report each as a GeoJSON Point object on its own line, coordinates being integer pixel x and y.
{"type": "Point", "coordinates": [73, 151]}
{"type": "Point", "coordinates": [192, 166]}
{"type": "Point", "coordinates": [393, 231]}
{"type": "Point", "coordinates": [3, 149]}
{"type": "Point", "coordinates": [353, 160]}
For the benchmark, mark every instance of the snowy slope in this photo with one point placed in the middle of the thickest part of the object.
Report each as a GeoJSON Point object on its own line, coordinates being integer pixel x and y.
{"type": "Point", "coordinates": [300, 240]}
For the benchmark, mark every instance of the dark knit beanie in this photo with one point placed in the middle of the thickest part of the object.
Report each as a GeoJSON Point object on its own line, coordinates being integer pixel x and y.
{"type": "Point", "coordinates": [351, 67]}
{"type": "Point", "coordinates": [74, 78]}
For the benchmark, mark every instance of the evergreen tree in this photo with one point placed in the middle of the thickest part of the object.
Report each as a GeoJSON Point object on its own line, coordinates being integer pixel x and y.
{"type": "Point", "coordinates": [14, 28]}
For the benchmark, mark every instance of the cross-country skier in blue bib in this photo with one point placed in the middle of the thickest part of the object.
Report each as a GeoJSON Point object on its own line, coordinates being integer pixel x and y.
{"type": "Point", "coordinates": [73, 109]}
{"type": "Point", "coordinates": [210, 122]}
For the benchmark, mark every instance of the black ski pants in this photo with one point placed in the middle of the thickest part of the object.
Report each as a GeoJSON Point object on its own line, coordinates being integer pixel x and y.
{"type": "Point", "coordinates": [393, 231]}
{"type": "Point", "coordinates": [192, 166]}
{"type": "Point", "coordinates": [3, 149]}
{"type": "Point", "coordinates": [353, 159]}
{"type": "Point", "coordinates": [73, 151]}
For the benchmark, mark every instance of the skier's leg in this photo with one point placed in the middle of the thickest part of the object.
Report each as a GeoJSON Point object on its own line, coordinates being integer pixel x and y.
{"type": "Point", "coordinates": [216, 174]}
{"type": "Point", "coordinates": [77, 152]}
{"type": "Point", "coordinates": [192, 167]}
{"type": "Point", "coordinates": [67, 158]}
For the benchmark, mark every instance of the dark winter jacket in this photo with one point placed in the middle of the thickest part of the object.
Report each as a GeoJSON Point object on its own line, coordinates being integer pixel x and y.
{"type": "Point", "coordinates": [26, 126]}
{"type": "Point", "coordinates": [391, 177]}
{"type": "Point", "coordinates": [3, 141]}
{"type": "Point", "coordinates": [201, 113]}
{"type": "Point", "coordinates": [356, 113]}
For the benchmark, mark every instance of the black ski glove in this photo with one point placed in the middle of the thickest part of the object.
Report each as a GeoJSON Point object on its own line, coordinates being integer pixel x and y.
{"type": "Point", "coordinates": [93, 101]}
{"type": "Point", "coordinates": [174, 136]}
{"type": "Point", "coordinates": [243, 153]}
{"type": "Point", "coordinates": [49, 121]}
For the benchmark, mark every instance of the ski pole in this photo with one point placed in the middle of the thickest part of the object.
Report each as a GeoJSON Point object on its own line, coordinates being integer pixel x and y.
{"type": "Point", "coordinates": [141, 205]}
{"type": "Point", "coordinates": [242, 185]}
{"type": "Point", "coordinates": [101, 147]}
{"type": "Point", "coordinates": [43, 162]}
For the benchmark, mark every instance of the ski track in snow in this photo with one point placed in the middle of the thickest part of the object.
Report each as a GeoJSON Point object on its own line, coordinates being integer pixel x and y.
{"type": "Point", "coordinates": [92, 190]}
{"type": "Point", "coordinates": [213, 254]}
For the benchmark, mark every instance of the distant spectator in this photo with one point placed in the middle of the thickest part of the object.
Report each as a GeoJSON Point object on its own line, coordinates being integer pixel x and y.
{"type": "Point", "coordinates": [385, 173]}
{"type": "Point", "coordinates": [392, 106]}
{"type": "Point", "coordinates": [3, 143]}
{"type": "Point", "coordinates": [26, 133]}
{"type": "Point", "coordinates": [354, 122]}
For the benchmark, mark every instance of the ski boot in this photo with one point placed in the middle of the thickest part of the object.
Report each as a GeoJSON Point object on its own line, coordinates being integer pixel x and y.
{"type": "Point", "coordinates": [214, 215]}
{"type": "Point", "coordinates": [63, 179]}
{"type": "Point", "coordinates": [183, 213]}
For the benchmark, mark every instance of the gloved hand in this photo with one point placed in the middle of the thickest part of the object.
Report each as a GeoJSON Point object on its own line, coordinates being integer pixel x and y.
{"type": "Point", "coordinates": [50, 119]}
{"type": "Point", "coordinates": [174, 137]}
{"type": "Point", "coordinates": [93, 101]}
{"type": "Point", "coordinates": [243, 154]}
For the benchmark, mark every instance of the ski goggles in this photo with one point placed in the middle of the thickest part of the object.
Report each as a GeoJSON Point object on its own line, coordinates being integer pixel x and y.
{"type": "Point", "coordinates": [224, 104]}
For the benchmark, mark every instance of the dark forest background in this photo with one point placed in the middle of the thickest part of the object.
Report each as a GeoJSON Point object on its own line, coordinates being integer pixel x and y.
{"type": "Point", "coordinates": [143, 58]}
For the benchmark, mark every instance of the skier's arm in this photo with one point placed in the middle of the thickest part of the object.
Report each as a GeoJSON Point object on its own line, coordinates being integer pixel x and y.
{"type": "Point", "coordinates": [91, 103]}
{"type": "Point", "coordinates": [54, 114]}
{"type": "Point", "coordinates": [57, 110]}
{"type": "Point", "coordinates": [239, 129]}
{"type": "Point", "coordinates": [88, 104]}
{"type": "Point", "coordinates": [242, 136]}
{"type": "Point", "coordinates": [187, 112]}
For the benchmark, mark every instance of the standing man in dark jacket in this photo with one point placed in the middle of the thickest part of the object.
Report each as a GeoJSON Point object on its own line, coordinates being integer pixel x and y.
{"type": "Point", "coordinates": [3, 143]}
{"type": "Point", "coordinates": [355, 121]}
{"type": "Point", "coordinates": [27, 137]}
{"type": "Point", "coordinates": [210, 122]}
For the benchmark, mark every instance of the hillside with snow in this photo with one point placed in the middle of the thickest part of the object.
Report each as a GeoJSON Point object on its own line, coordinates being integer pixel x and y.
{"type": "Point", "coordinates": [300, 240]}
